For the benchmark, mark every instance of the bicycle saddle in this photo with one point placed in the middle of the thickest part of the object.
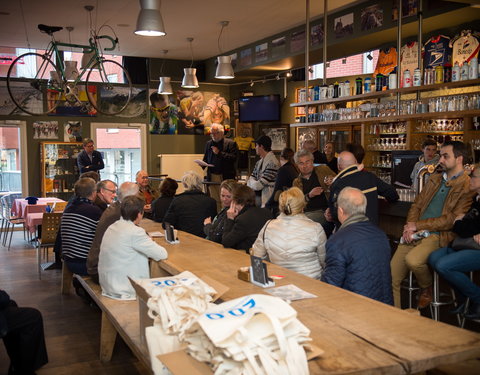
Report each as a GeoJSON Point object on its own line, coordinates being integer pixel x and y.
{"type": "Point", "coordinates": [49, 29]}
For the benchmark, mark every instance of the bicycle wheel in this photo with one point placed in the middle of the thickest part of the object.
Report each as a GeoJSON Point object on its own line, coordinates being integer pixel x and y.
{"type": "Point", "coordinates": [33, 84]}
{"type": "Point", "coordinates": [114, 86]}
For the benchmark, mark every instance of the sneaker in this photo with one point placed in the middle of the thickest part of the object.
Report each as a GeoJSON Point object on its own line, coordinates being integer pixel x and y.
{"type": "Point", "coordinates": [473, 311]}
{"type": "Point", "coordinates": [425, 298]}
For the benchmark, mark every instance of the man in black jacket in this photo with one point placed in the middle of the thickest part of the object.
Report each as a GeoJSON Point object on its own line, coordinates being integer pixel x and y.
{"type": "Point", "coordinates": [89, 159]}
{"type": "Point", "coordinates": [244, 219]}
{"type": "Point", "coordinates": [222, 153]}
{"type": "Point", "coordinates": [22, 331]}
{"type": "Point", "coordinates": [366, 182]}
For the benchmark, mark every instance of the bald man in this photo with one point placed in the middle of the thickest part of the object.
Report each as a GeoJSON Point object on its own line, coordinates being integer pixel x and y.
{"type": "Point", "coordinates": [358, 254]}
{"type": "Point", "coordinates": [366, 182]}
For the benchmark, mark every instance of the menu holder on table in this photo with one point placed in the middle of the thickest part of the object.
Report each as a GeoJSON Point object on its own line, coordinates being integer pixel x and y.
{"type": "Point", "coordinates": [259, 274]}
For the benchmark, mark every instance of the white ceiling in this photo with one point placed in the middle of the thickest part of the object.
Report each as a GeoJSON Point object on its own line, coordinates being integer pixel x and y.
{"type": "Point", "coordinates": [250, 20]}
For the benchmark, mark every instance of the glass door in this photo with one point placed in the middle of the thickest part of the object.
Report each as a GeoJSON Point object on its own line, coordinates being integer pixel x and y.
{"type": "Point", "coordinates": [123, 147]}
{"type": "Point", "coordinates": [13, 159]}
{"type": "Point", "coordinates": [340, 137]}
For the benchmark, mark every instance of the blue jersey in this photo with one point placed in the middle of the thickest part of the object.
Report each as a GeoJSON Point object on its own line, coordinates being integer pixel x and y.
{"type": "Point", "coordinates": [437, 51]}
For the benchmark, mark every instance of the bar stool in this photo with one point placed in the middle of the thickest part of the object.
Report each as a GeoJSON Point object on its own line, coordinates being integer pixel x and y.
{"type": "Point", "coordinates": [461, 316]}
{"type": "Point", "coordinates": [408, 284]}
{"type": "Point", "coordinates": [437, 296]}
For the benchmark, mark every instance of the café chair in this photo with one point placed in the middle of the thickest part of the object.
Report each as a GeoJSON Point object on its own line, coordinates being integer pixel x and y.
{"type": "Point", "coordinates": [8, 221]}
{"type": "Point", "coordinates": [59, 206]}
{"type": "Point", "coordinates": [50, 226]}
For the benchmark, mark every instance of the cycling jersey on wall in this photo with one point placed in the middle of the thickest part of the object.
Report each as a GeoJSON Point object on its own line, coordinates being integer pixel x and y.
{"type": "Point", "coordinates": [465, 48]}
{"type": "Point", "coordinates": [408, 59]}
{"type": "Point", "coordinates": [437, 51]}
{"type": "Point", "coordinates": [387, 62]}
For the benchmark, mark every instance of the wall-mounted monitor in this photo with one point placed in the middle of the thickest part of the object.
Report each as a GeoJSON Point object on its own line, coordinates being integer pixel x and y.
{"type": "Point", "coordinates": [259, 108]}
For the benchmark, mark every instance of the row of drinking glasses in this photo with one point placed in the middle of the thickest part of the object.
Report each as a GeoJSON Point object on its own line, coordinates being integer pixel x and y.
{"type": "Point", "coordinates": [476, 144]}
{"type": "Point", "coordinates": [407, 107]}
{"type": "Point", "coordinates": [406, 195]}
{"type": "Point", "coordinates": [432, 126]}
{"type": "Point", "coordinates": [385, 176]}
{"type": "Point", "coordinates": [393, 128]}
{"type": "Point", "coordinates": [384, 161]}
{"type": "Point", "coordinates": [387, 144]}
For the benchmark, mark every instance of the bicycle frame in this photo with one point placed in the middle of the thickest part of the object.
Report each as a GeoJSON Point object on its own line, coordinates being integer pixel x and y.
{"type": "Point", "coordinates": [53, 48]}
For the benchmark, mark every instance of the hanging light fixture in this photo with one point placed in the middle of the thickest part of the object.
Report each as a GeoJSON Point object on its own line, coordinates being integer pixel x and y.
{"type": "Point", "coordinates": [165, 87]}
{"type": "Point", "coordinates": [190, 80]}
{"type": "Point", "coordinates": [224, 63]}
{"type": "Point", "coordinates": [149, 21]}
{"type": "Point", "coordinates": [71, 71]}
{"type": "Point", "coordinates": [88, 54]}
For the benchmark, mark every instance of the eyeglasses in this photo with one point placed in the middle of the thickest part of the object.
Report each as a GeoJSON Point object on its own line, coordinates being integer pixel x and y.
{"type": "Point", "coordinates": [113, 191]}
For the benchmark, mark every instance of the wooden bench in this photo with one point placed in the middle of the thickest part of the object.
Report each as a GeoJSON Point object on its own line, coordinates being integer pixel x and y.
{"type": "Point", "coordinates": [118, 317]}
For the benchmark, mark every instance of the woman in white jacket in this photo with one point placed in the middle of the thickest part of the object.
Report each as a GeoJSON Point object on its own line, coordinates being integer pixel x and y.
{"type": "Point", "coordinates": [292, 240]}
{"type": "Point", "coordinates": [125, 251]}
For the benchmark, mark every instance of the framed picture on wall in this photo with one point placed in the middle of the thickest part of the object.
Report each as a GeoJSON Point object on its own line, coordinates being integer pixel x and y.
{"type": "Point", "coordinates": [279, 134]}
{"type": "Point", "coordinates": [303, 134]}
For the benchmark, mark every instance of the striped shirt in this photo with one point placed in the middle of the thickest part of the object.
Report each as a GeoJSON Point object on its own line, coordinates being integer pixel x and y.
{"type": "Point", "coordinates": [78, 225]}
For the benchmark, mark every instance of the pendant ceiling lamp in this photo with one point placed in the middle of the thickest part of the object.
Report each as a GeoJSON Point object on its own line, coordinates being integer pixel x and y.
{"type": "Point", "coordinates": [149, 21]}
{"type": "Point", "coordinates": [190, 80]}
{"type": "Point", "coordinates": [165, 87]}
{"type": "Point", "coordinates": [224, 63]}
{"type": "Point", "coordinates": [71, 71]}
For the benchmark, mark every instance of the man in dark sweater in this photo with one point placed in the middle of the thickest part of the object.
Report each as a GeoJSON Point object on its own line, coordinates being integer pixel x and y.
{"type": "Point", "coordinates": [78, 225]}
{"type": "Point", "coordinates": [89, 159]}
{"type": "Point", "coordinates": [367, 182]}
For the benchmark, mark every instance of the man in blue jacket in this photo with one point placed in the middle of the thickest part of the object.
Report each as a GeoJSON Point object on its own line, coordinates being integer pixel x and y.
{"type": "Point", "coordinates": [89, 159]}
{"type": "Point", "coordinates": [358, 254]}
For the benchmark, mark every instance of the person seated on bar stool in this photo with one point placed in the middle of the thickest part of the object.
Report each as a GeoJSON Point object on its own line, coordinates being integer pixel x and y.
{"type": "Point", "coordinates": [452, 265]}
{"type": "Point", "coordinates": [358, 254]}
{"type": "Point", "coordinates": [429, 157]}
{"type": "Point", "coordinates": [445, 196]}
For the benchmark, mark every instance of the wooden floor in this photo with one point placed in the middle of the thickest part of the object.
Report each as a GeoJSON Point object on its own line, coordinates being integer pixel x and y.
{"type": "Point", "coordinates": [72, 328]}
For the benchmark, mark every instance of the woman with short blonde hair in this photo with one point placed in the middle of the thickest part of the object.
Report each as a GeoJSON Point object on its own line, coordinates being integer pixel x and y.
{"type": "Point", "coordinates": [292, 240]}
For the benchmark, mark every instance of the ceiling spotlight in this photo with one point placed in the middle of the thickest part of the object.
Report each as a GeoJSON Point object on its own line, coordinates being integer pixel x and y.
{"type": "Point", "coordinates": [328, 64]}
{"type": "Point", "coordinates": [252, 83]}
{"type": "Point", "coordinates": [288, 74]}
{"type": "Point", "coordinates": [149, 21]}
{"type": "Point", "coordinates": [277, 77]}
{"type": "Point", "coordinates": [310, 69]}
{"type": "Point", "coordinates": [369, 56]}
{"type": "Point", "coordinates": [344, 60]}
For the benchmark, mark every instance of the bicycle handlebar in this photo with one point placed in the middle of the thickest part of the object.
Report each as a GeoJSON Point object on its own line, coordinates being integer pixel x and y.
{"type": "Point", "coordinates": [113, 41]}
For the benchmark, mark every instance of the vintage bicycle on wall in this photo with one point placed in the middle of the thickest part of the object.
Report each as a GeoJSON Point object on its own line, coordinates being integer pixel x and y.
{"type": "Point", "coordinates": [56, 81]}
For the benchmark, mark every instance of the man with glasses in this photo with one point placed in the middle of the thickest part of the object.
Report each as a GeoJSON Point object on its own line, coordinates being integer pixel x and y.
{"type": "Point", "coordinates": [89, 159]}
{"type": "Point", "coordinates": [106, 194]}
{"type": "Point", "coordinates": [313, 182]}
{"type": "Point", "coordinates": [146, 192]}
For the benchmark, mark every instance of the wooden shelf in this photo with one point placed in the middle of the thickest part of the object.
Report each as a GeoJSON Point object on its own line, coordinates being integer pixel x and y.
{"type": "Point", "coordinates": [446, 132]}
{"type": "Point", "coordinates": [415, 116]}
{"type": "Point", "coordinates": [379, 94]}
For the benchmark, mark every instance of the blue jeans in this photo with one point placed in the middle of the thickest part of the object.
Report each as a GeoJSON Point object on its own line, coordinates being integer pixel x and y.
{"type": "Point", "coordinates": [452, 266]}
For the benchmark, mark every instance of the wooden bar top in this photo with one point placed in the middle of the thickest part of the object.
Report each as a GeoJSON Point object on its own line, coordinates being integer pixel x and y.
{"type": "Point", "coordinates": [359, 335]}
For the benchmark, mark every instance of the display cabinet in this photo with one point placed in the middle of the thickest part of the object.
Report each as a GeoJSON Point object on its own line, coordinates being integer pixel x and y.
{"type": "Point", "coordinates": [59, 168]}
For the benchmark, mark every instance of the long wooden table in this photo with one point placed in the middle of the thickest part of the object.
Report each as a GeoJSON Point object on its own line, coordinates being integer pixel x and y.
{"type": "Point", "coordinates": [359, 335]}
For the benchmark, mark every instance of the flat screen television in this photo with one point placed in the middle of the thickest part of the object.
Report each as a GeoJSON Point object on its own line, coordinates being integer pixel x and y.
{"type": "Point", "coordinates": [259, 108]}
